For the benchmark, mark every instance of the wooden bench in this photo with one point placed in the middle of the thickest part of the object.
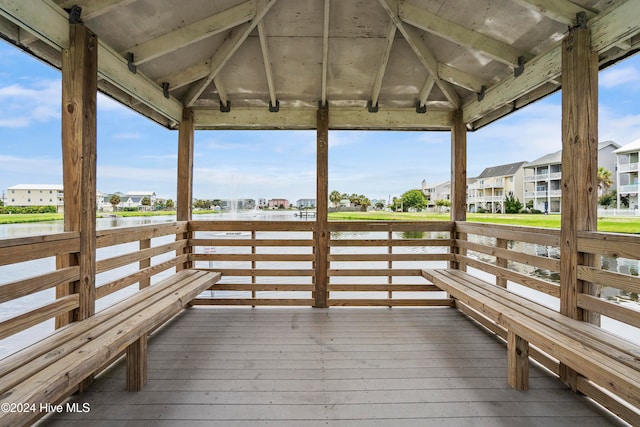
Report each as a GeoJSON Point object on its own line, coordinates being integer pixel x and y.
{"type": "Point", "coordinates": [604, 359]}
{"type": "Point", "coordinates": [54, 368]}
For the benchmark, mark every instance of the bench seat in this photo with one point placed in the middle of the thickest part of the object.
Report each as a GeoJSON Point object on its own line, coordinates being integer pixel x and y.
{"type": "Point", "coordinates": [53, 368]}
{"type": "Point", "coordinates": [606, 360]}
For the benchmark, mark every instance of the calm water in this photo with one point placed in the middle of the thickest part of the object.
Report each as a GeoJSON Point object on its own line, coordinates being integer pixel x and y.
{"type": "Point", "coordinates": [27, 269]}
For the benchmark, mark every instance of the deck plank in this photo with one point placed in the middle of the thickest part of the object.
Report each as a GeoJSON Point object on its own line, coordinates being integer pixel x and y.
{"type": "Point", "coordinates": [341, 366]}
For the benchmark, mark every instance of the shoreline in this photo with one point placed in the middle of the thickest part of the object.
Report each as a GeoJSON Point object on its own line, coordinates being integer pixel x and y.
{"type": "Point", "coordinates": [627, 225]}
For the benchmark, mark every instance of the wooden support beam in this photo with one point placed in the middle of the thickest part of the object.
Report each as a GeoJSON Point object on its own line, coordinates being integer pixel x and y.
{"type": "Point", "coordinates": [579, 167]}
{"type": "Point", "coordinates": [421, 50]}
{"type": "Point", "coordinates": [185, 166]}
{"type": "Point", "coordinates": [79, 92]}
{"type": "Point", "coordinates": [517, 362]}
{"type": "Point", "coordinates": [322, 209]}
{"type": "Point", "coordinates": [325, 53]}
{"type": "Point", "coordinates": [266, 57]}
{"type": "Point", "coordinates": [458, 177]}
{"type": "Point", "coordinates": [493, 48]}
{"type": "Point", "coordinates": [192, 33]}
{"type": "Point", "coordinates": [137, 364]}
{"type": "Point", "coordinates": [382, 66]}
{"type": "Point", "coordinates": [226, 51]}
{"type": "Point", "coordinates": [185, 178]}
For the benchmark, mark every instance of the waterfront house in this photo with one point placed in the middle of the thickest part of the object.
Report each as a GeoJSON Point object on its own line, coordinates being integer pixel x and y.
{"type": "Point", "coordinates": [35, 195]}
{"type": "Point", "coordinates": [543, 177]}
{"type": "Point", "coordinates": [626, 175]}
{"type": "Point", "coordinates": [490, 188]}
{"type": "Point", "coordinates": [306, 203]}
{"type": "Point", "coordinates": [433, 193]}
{"type": "Point", "coordinates": [197, 65]}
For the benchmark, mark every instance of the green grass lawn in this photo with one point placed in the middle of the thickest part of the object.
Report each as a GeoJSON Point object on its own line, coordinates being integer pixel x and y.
{"type": "Point", "coordinates": [629, 225]}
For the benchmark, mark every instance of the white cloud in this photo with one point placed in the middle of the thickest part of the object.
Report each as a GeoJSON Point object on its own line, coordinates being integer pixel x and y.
{"type": "Point", "coordinates": [618, 76]}
{"type": "Point", "coordinates": [24, 105]}
{"type": "Point", "coordinates": [130, 135]}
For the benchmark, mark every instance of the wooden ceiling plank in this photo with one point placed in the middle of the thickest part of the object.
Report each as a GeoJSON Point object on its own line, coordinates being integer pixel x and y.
{"type": "Point", "coordinates": [382, 66]}
{"type": "Point", "coordinates": [461, 35]}
{"type": "Point", "coordinates": [614, 25]}
{"type": "Point", "coordinates": [267, 63]}
{"type": "Point", "coordinates": [51, 24]}
{"type": "Point", "coordinates": [94, 8]}
{"type": "Point", "coordinates": [421, 50]}
{"type": "Point", "coordinates": [238, 35]}
{"type": "Point", "coordinates": [325, 53]}
{"type": "Point", "coordinates": [561, 11]}
{"type": "Point", "coordinates": [192, 33]}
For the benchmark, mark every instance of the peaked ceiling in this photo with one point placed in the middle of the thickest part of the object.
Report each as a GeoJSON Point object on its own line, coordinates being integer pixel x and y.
{"type": "Point", "coordinates": [376, 64]}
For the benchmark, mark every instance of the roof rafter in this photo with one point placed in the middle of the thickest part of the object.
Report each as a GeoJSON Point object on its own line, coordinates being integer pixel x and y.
{"type": "Point", "coordinates": [425, 91]}
{"type": "Point", "coordinates": [561, 11]}
{"type": "Point", "coordinates": [461, 78]}
{"type": "Point", "coordinates": [461, 35]}
{"type": "Point", "coordinates": [94, 8]}
{"type": "Point", "coordinates": [225, 52]}
{"type": "Point", "coordinates": [421, 50]}
{"type": "Point", "coordinates": [222, 93]}
{"type": "Point", "coordinates": [382, 66]}
{"type": "Point", "coordinates": [192, 33]}
{"type": "Point", "coordinates": [325, 53]}
{"type": "Point", "coordinates": [607, 30]}
{"type": "Point", "coordinates": [50, 23]}
{"type": "Point", "coordinates": [267, 64]}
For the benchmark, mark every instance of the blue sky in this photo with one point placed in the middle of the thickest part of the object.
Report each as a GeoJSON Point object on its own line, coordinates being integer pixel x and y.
{"type": "Point", "coordinates": [137, 154]}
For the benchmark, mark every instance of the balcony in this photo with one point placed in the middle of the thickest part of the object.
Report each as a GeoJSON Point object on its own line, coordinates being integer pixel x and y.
{"type": "Point", "coordinates": [629, 188]}
{"type": "Point", "coordinates": [628, 167]}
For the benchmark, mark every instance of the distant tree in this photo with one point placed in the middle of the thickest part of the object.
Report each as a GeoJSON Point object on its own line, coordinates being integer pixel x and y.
{"type": "Point", "coordinates": [335, 197]}
{"type": "Point", "coordinates": [605, 180]}
{"type": "Point", "coordinates": [413, 199]}
{"type": "Point", "coordinates": [443, 203]}
{"type": "Point", "coordinates": [608, 199]}
{"type": "Point", "coordinates": [160, 205]}
{"type": "Point", "coordinates": [115, 201]}
{"type": "Point", "coordinates": [146, 202]}
{"type": "Point", "coordinates": [379, 205]}
{"type": "Point", "coordinates": [169, 204]}
{"type": "Point", "coordinates": [512, 204]}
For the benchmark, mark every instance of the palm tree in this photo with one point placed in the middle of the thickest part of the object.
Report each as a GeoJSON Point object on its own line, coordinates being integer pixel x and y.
{"type": "Point", "coordinates": [605, 181]}
{"type": "Point", "coordinates": [334, 198]}
{"type": "Point", "coordinates": [115, 201]}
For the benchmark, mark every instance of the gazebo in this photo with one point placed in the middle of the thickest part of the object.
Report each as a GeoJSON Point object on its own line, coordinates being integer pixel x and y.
{"type": "Point", "coordinates": [414, 65]}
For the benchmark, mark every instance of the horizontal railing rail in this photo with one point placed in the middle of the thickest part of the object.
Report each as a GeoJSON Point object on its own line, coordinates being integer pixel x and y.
{"type": "Point", "coordinates": [380, 263]}
{"type": "Point", "coordinates": [262, 262]}
{"type": "Point", "coordinates": [126, 256]}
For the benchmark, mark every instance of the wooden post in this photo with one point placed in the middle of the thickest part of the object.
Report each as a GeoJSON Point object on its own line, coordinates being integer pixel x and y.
{"type": "Point", "coordinates": [144, 263]}
{"type": "Point", "coordinates": [322, 209]}
{"type": "Point", "coordinates": [458, 178]}
{"type": "Point", "coordinates": [517, 362]}
{"type": "Point", "coordinates": [579, 166]}
{"type": "Point", "coordinates": [185, 175]}
{"type": "Point", "coordinates": [501, 262]}
{"type": "Point", "coordinates": [137, 364]}
{"type": "Point", "coordinates": [79, 91]}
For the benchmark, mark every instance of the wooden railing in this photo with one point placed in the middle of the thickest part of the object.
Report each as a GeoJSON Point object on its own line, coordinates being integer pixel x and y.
{"type": "Point", "coordinates": [262, 262]}
{"type": "Point", "coordinates": [273, 263]}
{"type": "Point", "coordinates": [125, 257]}
{"type": "Point", "coordinates": [380, 263]}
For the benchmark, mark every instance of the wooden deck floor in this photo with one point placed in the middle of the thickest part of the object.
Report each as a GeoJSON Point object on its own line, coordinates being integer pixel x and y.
{"type": "Point", "coordinates": [340, 366]}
